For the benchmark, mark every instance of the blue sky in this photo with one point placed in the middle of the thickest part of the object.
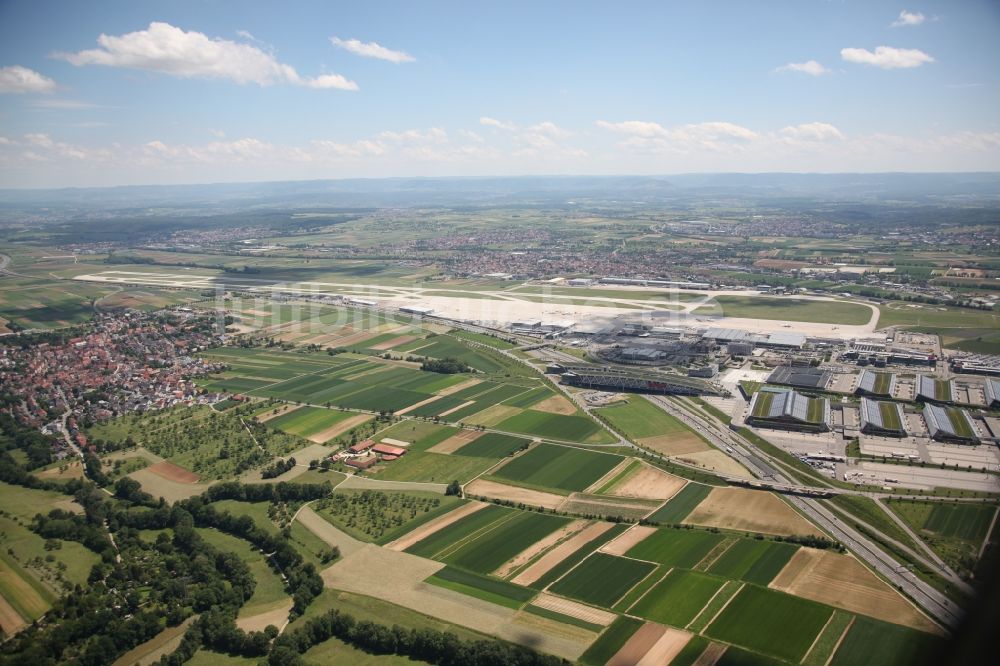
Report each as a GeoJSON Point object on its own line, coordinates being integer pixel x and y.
{"type": "Point", "coordinates": [220, 91]}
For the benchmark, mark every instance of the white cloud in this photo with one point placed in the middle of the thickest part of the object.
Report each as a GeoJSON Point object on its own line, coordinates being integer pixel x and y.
{"type": "Point", "coordinates": [713, 136]}
{"type": "Point", "coordinates": [907, 19]}
{"type": "Point", "coordinates": [329, 81]}
{"type": "Point", "coordinates": [499, 124]}
{"type": "Point", "coordinates": [639, 128]}
{"type": "Point", "coordinates": [810, 67]}
{"type": "Point", "coordinates": [886, 57]}
{"type": "Point", "coordinates": [550, 129]}
{"type": "Point", "coordinates": [371, 50]}
{"type": "Point", "coordinates": [812, 132]}
{"type": "Point", "coordinates": [16, 79]}
{"type": "Point", "coordinates": [170, 50]}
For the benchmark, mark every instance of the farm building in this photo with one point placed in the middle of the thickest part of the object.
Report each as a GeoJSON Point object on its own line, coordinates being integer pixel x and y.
{"type": "Point", "coordinates": [360, 447]}
{"type": "Point", "coordinates": [361, 463]}
{"type": "Point", "coordinates": [789, 410]}
{"type": "Point", "coordinates": [800, 377]}
{"type": "Point", "coordinates": [876, 384]}
{"type": "Point", "coordinates": [386, 450]}
{"type": "Point", "coordinates": [930, 389]}
{"type": "Point", "coordinates": [992, 392]}
{"type": "Point", "coordinates": [949, 424]}
{"type": "Point", "coordinates": [882, 418]}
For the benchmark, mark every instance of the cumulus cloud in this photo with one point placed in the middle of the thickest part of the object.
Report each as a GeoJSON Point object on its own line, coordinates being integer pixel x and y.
{"type": "Point", "coordinates": [886, 57]}
{"type": "Point", "coordinates": [371, 50]}
{"type": "Point", "coordinates": [499, 124]}
{"type": "Point", "coordinates": [16, 79]}
{"type": "Point", "coordinates": [640, 128]}
{"type": "Point", "coordinates": [907, 19]}
{"type": "Point", "coordinates": [713, 136]}
{"type": "Point", "coordinates": [170, 50]}
{"type": "Point", "coordinates": [812, 132]}
{"type": "Point", "coordinates": [810, 67]}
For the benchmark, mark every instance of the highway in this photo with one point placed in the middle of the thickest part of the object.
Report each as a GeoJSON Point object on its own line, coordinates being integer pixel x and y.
{"type": "Point", "coordinates": [936, 604]}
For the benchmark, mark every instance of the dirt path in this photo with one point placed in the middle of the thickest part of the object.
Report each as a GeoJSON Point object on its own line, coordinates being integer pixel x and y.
{"type": "Point", "coordinates": [435, 525]}
{"type": "Point", "coordinates": [319, 526]}
{"type": "Point", "coordinates": [277, 616]}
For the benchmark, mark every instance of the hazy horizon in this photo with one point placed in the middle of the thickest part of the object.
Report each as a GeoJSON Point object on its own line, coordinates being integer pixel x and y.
{"type": "Point", "coordinates": [169, 93]}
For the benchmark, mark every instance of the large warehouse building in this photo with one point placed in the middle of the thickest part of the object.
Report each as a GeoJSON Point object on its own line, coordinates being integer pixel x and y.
{"type": "Point", "coordinates": [800, 377]}
{"type": "Point", "coordinates": [789, 410]}
{"type": "Point", "coordinates": [991, 390]}
{"type": "Point", "coordinates": [884, 419]}
{"type": "Point", "coordinates": [931, 389]}
{"type": "Point", "coordinates": [876, 384]}
{"type": "Point", "coordinates": [950, 424]}
{"type": "Point", "coordinates": [620, 379]}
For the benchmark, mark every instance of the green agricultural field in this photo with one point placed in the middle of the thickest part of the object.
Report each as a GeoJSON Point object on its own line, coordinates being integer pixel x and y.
{"type": "Point", "coordinates": [734, 656]}
{"type": "Point", "coordinates": [639, 419]}
{"type": "Point", "coordinates": [678, 598]}
{"type": "Point", "coordinates": [753, 561]}
{"type": "Point", "coordinates": [529, 398]}
{"type": "Point", "coordinates": [466, 529]}
{"type": "Point", "coordinates": [48, 305]}
{"type": "Point", "coordinates": [569, 428]}
{"type": "Point", "coordinates": [693, 649]}
{"type": "Point", "coordinates": [446, 346]}
{"type": "Point", "coordinates": [612, 640]}
{"type": "Point", "coordinates": [482, 587]}
{"type": "Point", "coordinates": [493, 445]}
{"type": "Point", "coordinates": [676, 547]}
{"type": "Point", "coordinates": [969, 522]}
{"type": "Point", "coordinates": [870, 641]}
{"type": "Point", "coordinates": [770, 622]}
{"type": "Point", "coordinates": [505, 538]}
{"type": "Point", "coordinates": [421, 435]}
{"type": "Point", "coordinates": [602, 579]}
{"type": "Point", "coordinates": [371, 515]}
{"type": "Point", "coordinates": [788, 309]}
{"type": "Point", "coordinates": [828, 640]}
{"type": "Point", "coordinates": [681, 504]}
{"type": "Point", "coordinates": [307, 421]}
{"type": "Point", "coordinates": [435, 467]}
{"type": "Point", "coordinates": [562, 467]}
{"type": "Point", "coordinates": [578, 556]}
